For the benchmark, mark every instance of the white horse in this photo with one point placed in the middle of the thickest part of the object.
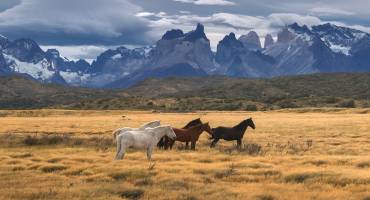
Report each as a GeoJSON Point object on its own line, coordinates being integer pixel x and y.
{"type": "Point", "coordinates": [151, 124]}
{"type": "Point", "coordinates": [142, 139]}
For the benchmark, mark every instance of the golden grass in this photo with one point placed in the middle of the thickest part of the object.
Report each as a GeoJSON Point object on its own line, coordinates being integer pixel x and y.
{"type": "Point", "coordinates": [304, 154]}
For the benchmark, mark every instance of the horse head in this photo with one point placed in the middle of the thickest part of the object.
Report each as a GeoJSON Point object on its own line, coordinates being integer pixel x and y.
{"type": "Point", "coordinates": [250, 123]}
{"type": "Point", "coordinates": [207, 128]}
{"type": "Point", "coordinates": [170, 133]}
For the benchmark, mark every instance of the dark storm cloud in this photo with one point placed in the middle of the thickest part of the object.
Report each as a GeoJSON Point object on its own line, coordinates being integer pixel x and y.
{"type": "Point", "coordinates": [75, 22]}
{"type": "Point", "coordinates": [138, 22]}
{"type": "Point", "coordinates": [6, 4]}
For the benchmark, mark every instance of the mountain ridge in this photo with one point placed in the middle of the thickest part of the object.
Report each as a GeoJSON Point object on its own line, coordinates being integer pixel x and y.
{"type": "Point", "coordinates": [297, 50]}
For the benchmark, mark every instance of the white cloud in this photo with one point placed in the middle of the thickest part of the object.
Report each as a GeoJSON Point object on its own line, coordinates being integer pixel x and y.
{"type": "Point", "coordinates": [282, 19]}
{"type": "Point", "coordinates": [87, 52]}
{"type": "Point", "coordinates": [208, 2]}
{"type": "Point", "coordinates": [218, 25]}
{"type": "Point", "coordinates": [144, 14]}
{"type": "Point", "coordinates": [328, 11]}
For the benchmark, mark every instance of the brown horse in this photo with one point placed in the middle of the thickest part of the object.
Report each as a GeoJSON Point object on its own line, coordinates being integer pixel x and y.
{"type": "Point", "coordinates": [190, 135]}
{"type": "Point", "coordinates": [164, 142]}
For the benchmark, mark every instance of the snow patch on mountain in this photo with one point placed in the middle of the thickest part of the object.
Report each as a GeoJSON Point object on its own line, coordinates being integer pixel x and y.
{"type": "Point", "coordinates": [340, 49]}
{"type": "Point", "coordinates": [117, 56]}
{"type": "Point", "coordinates": [75, 78]}
{"type": "Point", "coordinates": [38, 71]}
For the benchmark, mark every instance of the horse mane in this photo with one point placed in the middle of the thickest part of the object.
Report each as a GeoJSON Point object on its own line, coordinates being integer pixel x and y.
{"type": "Point", "coordinates": [192, 123]}
{"type": "Point", "coordinates": [242, 125]}
{"type": "Point", "coordinates": [195, 127]}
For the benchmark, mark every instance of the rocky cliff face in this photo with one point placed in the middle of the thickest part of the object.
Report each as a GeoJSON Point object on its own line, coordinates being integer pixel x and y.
{"type": "Point", "coordinates": [269, 41]}
{"type": "Point", "coordinates": [251, 41]}
{"type": "Point", "coordinates": [298, 50]}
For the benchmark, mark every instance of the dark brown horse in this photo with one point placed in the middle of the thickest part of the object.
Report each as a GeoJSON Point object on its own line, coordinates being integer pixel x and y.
{"type": "Point", "coordinates": [190, 135]}
{"type": "Point", "coordinates": [233, 133]}
{"type": "Point", "coordinates": [164, 142]}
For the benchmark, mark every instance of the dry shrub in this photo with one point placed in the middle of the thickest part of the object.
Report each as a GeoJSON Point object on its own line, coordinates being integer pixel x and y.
{"type": "Point", "coordinates": [132, 194]}
{"type": "Point", "coordinates": [18, 168]}
{"type": "Point", "coordinates": [265, 197]}
{"type": "Point", "coordinates": [144, 182]}
{"type": "Point", "coordinates": [54, 160]}
{"type": "Point", "coordinates": [131, 174]}
{"type": "Point", "coordinates": [252, 149]}
{"type": "Point", "coordinates": [316, 162]}
{"type": "Point", "coordinates": [365, 164]}
{"type": "Point", "coordinates": [53, 168]}
{"type": "Point", "coordinates": [227, 172]}
{"type": "Point", "coordinates": [265, 173]}
{"type": "Point", "coordinates": [303, 177]}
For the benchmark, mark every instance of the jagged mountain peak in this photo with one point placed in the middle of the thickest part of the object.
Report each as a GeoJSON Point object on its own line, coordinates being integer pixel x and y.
{"type": "Point", "coordinates": [230, 41]}
{"type": "Point", "coordinates": [53, 52]}
{"type": "Point", "coordinates": [338, 32]}
{"type": "Point", "coordinates": [251, 41]}
{"type": "Point", "coordinates": [300, 29]}
{"type": "Point", "coordinates": [196, 34]}
{"type": "Point", "coordinates": [285, 35]}
{"type": "Point", "coordinates": [173, 34]}
{"type": "Point", "coordinates": [299, 49]}
{"type": "Point", "coordinates": [269, 41]}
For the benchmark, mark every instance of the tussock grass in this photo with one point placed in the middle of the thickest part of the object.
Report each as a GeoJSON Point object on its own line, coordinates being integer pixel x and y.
{"type": "Point", "coordinates": [289, 156]}
{"type": "Point", "coordinates": [304, 177]}
{"type": "Point", "coordinates": [21, 155]}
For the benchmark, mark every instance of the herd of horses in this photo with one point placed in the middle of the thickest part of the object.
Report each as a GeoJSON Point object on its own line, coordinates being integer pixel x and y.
{"type": "Point", "coordinates": [153, 134]}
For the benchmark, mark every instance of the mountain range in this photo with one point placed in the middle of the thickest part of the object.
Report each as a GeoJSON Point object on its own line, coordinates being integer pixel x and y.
{"type": "Point", "coordinates": [296, 50]}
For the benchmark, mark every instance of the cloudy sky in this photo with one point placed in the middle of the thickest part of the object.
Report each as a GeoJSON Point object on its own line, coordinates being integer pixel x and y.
{"type": "Point", "coordinates": [84, 28]}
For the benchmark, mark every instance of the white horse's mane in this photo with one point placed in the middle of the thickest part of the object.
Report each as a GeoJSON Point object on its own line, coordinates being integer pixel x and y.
{"type": "Point", "coordinates": [151, 124]}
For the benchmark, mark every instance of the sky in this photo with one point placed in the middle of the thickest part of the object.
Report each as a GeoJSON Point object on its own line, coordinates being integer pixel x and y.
{"type": "Point", "coordinates": [85, 28]}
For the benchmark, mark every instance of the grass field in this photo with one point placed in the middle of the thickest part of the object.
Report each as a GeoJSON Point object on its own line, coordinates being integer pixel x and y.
{"type": "Point", "coordinates": [292, 154]}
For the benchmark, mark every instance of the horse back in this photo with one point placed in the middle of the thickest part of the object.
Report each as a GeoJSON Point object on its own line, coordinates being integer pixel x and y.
{"type": "Point", "coordinates": [227, 133]}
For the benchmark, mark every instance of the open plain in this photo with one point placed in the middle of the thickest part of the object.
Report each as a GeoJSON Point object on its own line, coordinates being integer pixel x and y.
{"type": "Point", "coordinates": [292, 154]}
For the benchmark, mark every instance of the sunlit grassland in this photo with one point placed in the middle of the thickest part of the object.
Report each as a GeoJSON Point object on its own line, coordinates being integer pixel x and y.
{"type": "Point", "coordinates": [292, 154]}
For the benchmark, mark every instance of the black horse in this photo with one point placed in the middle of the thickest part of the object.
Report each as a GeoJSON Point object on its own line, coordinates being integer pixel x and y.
{"type": "Point", "coordinates": [234, 133]}
{"type": "Point", "coordinates": [164, 142]}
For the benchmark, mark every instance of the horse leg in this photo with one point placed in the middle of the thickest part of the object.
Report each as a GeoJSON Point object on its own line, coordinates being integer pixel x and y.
{"type": "Point", "coordinates": [166, 143]}
{"type": "Point", "coordinates": [121, 153]}
{"type": "Point", "coordinates": [160, 144]}
{"type": "Point", "coordinates": [171, 143]}
{"type": "Point", "coordinates": [193, 145]}
{"type": "Point", "coordinates": [213, 144]}
{"type": "Point", "coordinates": [187, 145]}
{"type": "Point", "coordinates": [149, 153]}
{"type": "Point", "coordinates": [239, 143]}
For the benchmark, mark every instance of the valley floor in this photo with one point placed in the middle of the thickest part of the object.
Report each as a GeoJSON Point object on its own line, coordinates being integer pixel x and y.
{"type": "Point", "coordinates": [292, 154]}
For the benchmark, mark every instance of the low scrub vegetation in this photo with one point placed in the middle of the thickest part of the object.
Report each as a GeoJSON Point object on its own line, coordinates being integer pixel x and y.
{"type": "Point", "coordinates": [292, 154]}
{"type": "Point", "coordinates": [205, 93]}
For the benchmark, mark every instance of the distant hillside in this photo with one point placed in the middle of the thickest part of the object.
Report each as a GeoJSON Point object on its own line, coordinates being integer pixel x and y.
{"type": "Point", "coordinates": [21, 92]}
{"type": "Point", "coordinates": [196, 93]}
